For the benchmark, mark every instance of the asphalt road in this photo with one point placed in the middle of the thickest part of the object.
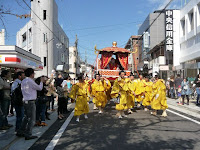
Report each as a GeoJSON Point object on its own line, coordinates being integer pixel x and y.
{"type": "Point", "coordinates": [139, 131]}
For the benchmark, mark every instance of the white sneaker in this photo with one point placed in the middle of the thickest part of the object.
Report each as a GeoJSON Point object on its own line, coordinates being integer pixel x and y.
{"type": "Point", "coordinates": [77, 119]}
{"type": "Point", "coordinates": [120, 117]}
{"type": "Point", "coordinates": [145, 109]}
{"type": "Point", "coordinates": [86, 117]}
{"type": "Point", "coordinates": [100, 112]}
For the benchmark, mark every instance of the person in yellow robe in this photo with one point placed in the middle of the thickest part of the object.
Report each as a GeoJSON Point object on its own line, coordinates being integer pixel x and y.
{"type": "Point", "coordinates": [87, 81]}
{"type": "Point", "coordinates": [79, 93]}
{"type": "Point", "coordinates": [140, 89]}
{"type": "Point", "coordinates": [148, 93]}
{"type": "Point", "coordinates": [120, 91]}
{"type": "Point", "coordinates": [99, 88]}
{"type": "Point", "coordinates": [131, 93]}
{"type": "Point", "coordinates": [159, 101]}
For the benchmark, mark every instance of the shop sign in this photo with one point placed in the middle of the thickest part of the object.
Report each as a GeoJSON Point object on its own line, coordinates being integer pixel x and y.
{"type": "Point", "coordinates": [0, 59]}
{"type": "Point", "coordinates": [169, 30]}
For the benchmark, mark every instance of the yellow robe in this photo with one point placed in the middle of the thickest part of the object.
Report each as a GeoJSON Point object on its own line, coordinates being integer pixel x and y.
{"type": "Point", "coordinates": [148, 94]}
{"type": "Point", "coordinates": [80, 93]}
{"type": "Point", "coordinates": [88, 86]}
{"type": "Point", "coordinates": [99, 89]}
{"type": "Point", "coordinates": [131, 96]}
{"type": "Point", "coordinates": [140, 89]}
{"type": "Point", "coordinates": [120, 86]}
{"type": "Point", "coordinates": [159, 101]}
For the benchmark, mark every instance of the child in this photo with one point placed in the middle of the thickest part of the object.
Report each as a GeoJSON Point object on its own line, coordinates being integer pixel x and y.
{"type": "Point", "coordinates": [179, 96]}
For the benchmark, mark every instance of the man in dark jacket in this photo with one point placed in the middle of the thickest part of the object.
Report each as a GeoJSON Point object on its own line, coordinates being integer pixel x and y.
{"type": "Point", "coordinates": [17, 98]}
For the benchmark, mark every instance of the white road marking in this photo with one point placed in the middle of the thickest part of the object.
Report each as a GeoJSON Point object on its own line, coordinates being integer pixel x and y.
{"type": "Point", "coordinates": [193, 120]}
{"type": "Point", "coordinates": [56, 138]}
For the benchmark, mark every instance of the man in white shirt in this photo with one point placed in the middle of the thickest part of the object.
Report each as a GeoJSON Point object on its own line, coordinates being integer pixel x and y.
{"type": "Point", "coordinates": [29, 92]}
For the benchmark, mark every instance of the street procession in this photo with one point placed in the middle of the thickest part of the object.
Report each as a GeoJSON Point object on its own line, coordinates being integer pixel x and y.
{"type": "Point", "coordinates": [99, 75]}
{"type": "Point", "coordinates": [125, 90]}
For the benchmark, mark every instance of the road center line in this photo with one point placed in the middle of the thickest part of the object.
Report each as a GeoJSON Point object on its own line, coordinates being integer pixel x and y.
{"type": "Point", "coordinates": [195, 121]}
{"type": "Point", "coordinates": [56, 138]}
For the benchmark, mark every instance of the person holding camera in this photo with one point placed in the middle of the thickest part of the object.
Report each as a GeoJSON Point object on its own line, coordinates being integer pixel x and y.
{"type": "Point", "coordinates": [29, 92]}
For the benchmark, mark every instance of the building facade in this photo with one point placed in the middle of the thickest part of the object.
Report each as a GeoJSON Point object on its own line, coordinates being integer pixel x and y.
{"type": "Point", "coordinates": [160, 41]}
{"type": "Point", "coordinates": [133, 45]}
{"type": "Point", "coordinates": [188, 64]}
{"type": "Point", "coordinates": [44, 36]}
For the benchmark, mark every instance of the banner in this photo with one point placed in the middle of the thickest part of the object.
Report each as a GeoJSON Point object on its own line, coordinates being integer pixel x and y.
{"type": "Point", "coordinates": [123, 59]}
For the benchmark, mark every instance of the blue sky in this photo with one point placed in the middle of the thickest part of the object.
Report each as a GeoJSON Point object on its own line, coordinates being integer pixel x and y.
{"type": "Point", "coordinates": [97, 22]}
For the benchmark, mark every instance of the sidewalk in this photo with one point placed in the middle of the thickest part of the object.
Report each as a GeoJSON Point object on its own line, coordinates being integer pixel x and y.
{"type": "Point", "coordinates": [190, 109]}
{"type": "Point", "coordinates": [8, 139]}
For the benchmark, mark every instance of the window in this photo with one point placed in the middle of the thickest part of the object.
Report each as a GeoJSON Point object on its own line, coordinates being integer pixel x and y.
{"type": "Point", "coordinates": [24, 37]}
{"type": "Point", "coordinates": [44, 14]}
{"type": "Point", "coordinates": [30, 35]}
{"type": "Point", "coordinates": [183, 27]}
{"type": "Point", "coordinates": [62, 57]}
{"type": "Point", "coordinates": [45, 61]}
{"type": "Point", "coordinates": [191, 19]}
{"type": "Point", "coordinates": [45, 37]}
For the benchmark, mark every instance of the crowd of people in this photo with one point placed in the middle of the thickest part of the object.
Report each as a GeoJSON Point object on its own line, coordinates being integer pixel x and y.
{"type": "Point", "coordinates": [32, 98]}
{"type": "Point", "coordinates": [178, 88]}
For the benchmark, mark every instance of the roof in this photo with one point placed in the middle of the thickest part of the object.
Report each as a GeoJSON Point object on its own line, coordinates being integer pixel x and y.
{"type": "Point", "coordinates": [115, 50]}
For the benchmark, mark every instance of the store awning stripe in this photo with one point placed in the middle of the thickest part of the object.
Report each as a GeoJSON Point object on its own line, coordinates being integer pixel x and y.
{"type": "Point", "coordinates": [12, 59]}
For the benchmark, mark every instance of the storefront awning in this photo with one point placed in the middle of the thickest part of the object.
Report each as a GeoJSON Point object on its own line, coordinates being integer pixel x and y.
{"type": "Point", "coordinates": [15, 57]}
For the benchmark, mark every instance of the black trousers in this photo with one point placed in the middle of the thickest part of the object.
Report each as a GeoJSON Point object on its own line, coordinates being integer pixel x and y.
{"type": "Point", "coordinates": [61, 105]}
{"type": "Point", "coordinates": [183, 97]}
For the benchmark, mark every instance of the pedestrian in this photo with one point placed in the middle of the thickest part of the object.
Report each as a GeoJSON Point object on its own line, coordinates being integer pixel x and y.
{"type": "Point", "coordinates": [172, 87]}
{"type": "Point", "coordinates": [159, 100]}
{"type": "Point", "coordinates": [148, 92]}
{"type": "Point", "coordinates": [168, 87]}
{"type": "Point", "coordinates": [131, 93]}
{"type": "Point", "coordinates": [197, 82]}
{"type": "Point", "coordinates": [61, 98]}
{"type": "Point", "coordinates": [79, 93]}
{"type": "Point", "coordinates": [139, 92]}
{"type": "Point", "coordinates": [179, 95]}
{"type": "Point", "coordinates": [29, 92]}
{"type": "Point", "coordinates": [185, 90]}
{"type": "Point", "coordinates": [41, 103]}
{"type": "Point", "coordinates": [17, 99]}
{"type": "Point", "coordinates": [177, 83]}
{"type": "Point", "coordinates": [120, 90]}
{"type": "Point", "coordinates": [5, 100]}
{"type": "Point", "coordinates": [99, 88]}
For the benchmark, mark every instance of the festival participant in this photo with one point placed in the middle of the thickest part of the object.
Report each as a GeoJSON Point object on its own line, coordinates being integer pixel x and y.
{"type": "Point", "coordinates": [139, 92]}
{"type": "Point", "coordinates": [159, 101]}
{"type": "Point", "coordinates": [131, 93]}
{"type": "Point", "coordinates": [148, 93]}
{"type": "Point", "coordinates": [80, 92]}
{"type": "Point", "coordinates": [99, 88]}
{"type": "Point", "coordinates": [119, 91]}
{"type": "Point", "coordinates": [113, 65]}
{"type": "Point", "coordinates": [88, 82]}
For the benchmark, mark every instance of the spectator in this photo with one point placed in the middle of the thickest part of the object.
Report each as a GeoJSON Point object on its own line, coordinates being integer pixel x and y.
{"type": "Point", "coordinates": [29, 91]}
{"type": "Point", "coordinates": [11, 104]}
{"type": "Point", "coordinates": [197, 82]}
{"type": "Point", "coordinates": [41, 102]}
{"type": "Point", "coordinates": [17, 99]}
{"type": "Point", "coordinates": [61, 98]}
{"type": "Point", "coordinates": [185, 90]}
{"type": "Point", "coordinates": [67, 85]}
{"type": "Point", "coordinates": [5, 101]}
{"type": "Point", "coordinates": [177, 83]}
{"type": "Point", "coordinates": [51, 92]}
{"type": "Point", "coordinates": [172, 87]}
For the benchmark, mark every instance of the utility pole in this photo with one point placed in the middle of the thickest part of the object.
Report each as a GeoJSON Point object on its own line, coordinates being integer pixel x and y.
{"type": "Point", "coordinates": [132, 64]}
{"type": "Point", "coordinates": [76, 54]}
